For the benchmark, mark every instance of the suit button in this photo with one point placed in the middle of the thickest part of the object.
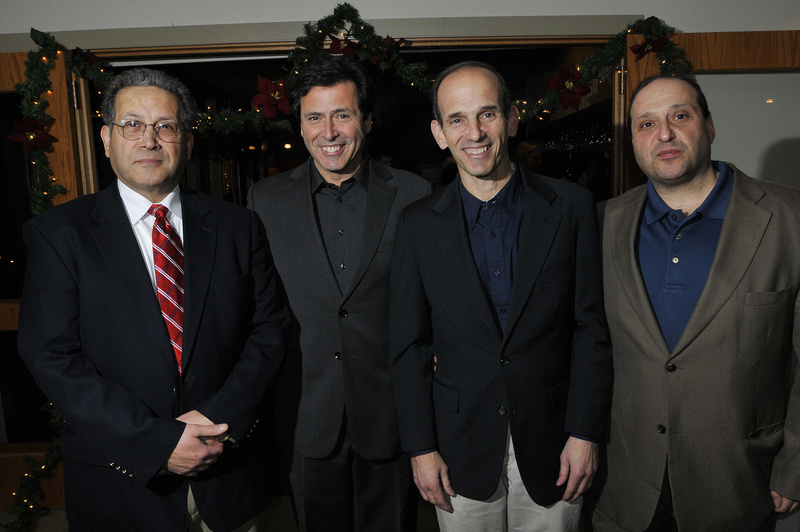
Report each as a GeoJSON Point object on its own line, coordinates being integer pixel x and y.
{"type": "Point", "coordinates": [343, 313]}
{"type": "Point", "coordinates": [501, 410]}
{"type": "Point", "coordinates": [661, 429]}
{"type": "Point", "coordinates": [337, 355]}
{"type": "Point", "coordinates": [505, 361]}
{"type": "Point", "coordinates": [671, 367]}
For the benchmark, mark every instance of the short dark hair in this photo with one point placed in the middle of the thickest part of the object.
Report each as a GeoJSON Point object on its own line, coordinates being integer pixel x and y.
{"type": "Point", "coordinates": [331, 71]}
{"type": "Point", "coordinates": [505, 94]}
{"type": "Point", "coordinates": [145, 77]}
{"type": "Point", "coordinates": [688, 78]}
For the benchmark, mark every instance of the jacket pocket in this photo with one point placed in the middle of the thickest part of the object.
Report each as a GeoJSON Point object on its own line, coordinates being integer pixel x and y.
{"type": "Point", "coordinates": [444, 397]}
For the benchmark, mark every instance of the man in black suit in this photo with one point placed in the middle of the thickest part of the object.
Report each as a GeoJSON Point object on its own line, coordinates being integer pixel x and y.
{"type": "Point", "coordinates": [500, 360]}
{"type": "Point", "coordinates": [159, 387]}
{"type": "Point", "coordinates": [331, 226]}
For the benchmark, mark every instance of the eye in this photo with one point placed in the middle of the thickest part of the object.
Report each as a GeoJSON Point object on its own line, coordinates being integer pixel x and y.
{"type": "Point", "coordinates": [131, 124]}
{"type": "Point", "coordinates": [645, 125]}
{"type": "Point", "coordinates": [172, 127]}
{"type": "Point", "coordinates": [681, 116]}
{"type": "Point", "coordinates": [490, 115]}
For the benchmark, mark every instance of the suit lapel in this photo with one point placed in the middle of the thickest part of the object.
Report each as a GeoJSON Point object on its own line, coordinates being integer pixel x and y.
{"type": "Point", "coordinates": [298, 213]}
{"type": "Point", "coordinates": [380, 196]}
{"type": "Point", "coordinates": [114, 238]}
{"type": "Point", "coordinates": [742, 231]}
{"type": "Point", "coordinates": [450, 233]}
{"type": "Point", "coordinates": [539, 226]}
{"type": "Point", "coordinates": [199, 244]}
{"type": "Point", "coordinates": [620, 228]}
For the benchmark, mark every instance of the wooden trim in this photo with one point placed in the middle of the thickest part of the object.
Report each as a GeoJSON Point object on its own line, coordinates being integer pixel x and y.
{"type": "Point", "coordinates": [282, 48]}
{"type": "Point", "coordinates": [64, 159]}
{"type": "Point", "coordinates": [12, 70]}
{"type": "Point", "coordinates": [9, 314]}
{"type": "Point", "coordinates": [84, 135]}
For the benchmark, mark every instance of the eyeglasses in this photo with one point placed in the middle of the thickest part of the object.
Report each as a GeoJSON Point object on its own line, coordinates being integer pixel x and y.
{"type": "Point", "coordinates": [134, 130]}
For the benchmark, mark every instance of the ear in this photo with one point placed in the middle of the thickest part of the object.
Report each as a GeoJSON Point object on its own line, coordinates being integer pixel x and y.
{"type": "Point", "coordinates": [105, 134]}
{"type": "Point", "coordinates": [438, 134]}
{"type": "Point", "coordinates": [712, 132]}
{"type": "Point", "coordinates": [189, 144]}
{"type": "Point", "coordinates": [513, 121]}
{"type": "Point", "coordinates": [368, 123]}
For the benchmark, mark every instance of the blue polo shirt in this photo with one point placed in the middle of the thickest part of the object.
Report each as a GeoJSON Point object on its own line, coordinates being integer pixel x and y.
{"type": "Point", "coordinates": [493, 227]}
{"type": "Point", "coordinates": [676, 253]}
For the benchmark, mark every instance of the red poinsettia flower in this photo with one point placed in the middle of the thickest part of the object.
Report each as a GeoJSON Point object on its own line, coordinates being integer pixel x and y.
{"type": "Point", "coordinates": [344, 46]}
{"type": "Point", "coordinates": [384, 48]}
{"type": "Point", "coordinates": [88, 57]}
{"type": "Point", "coordinates": [568, 83]}
{"type": "Point", "coordinates": [271, 98]}
{"type": "Point", "coordinates": [647, 46]}
{"type": "Point", "coordinates": [33, 134]}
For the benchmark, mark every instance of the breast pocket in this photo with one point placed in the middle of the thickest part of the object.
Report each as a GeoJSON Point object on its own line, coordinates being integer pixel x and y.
{"type": "Point", "coordinates": [767, 321]}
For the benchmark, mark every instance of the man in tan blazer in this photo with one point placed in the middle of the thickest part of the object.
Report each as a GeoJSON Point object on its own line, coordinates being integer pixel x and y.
{"type": "Point", "coordinates": [701, 278]}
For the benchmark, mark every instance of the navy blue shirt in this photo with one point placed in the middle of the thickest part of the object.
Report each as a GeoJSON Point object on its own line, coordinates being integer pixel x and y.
{"type": "Point", "coordinates": [676, 253]}
{"type": "Point", "coordinates": [493, 227]}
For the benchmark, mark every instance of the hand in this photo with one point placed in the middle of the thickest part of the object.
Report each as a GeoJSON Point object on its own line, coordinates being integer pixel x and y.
{"type": "Point", "coordinates": [784, 505]}
{"type": "Point", "coordinates": [432, 479]}
{"type": "Point", "coordinates": [578, 464]}
{"type": "Point", "coordinates": [197, 449]}
{"type": "Point", "coordinates": [194, 417]}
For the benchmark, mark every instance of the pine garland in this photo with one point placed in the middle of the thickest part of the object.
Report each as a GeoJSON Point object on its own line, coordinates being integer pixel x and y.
{"type": "Point", "coordinates": [27, 499]}
{"type": "Point", "coordinates": [603, 62]}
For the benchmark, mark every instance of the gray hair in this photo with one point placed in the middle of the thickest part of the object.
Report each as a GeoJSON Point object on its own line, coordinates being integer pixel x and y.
{"type": "Point", "coordinates": [145, 77]}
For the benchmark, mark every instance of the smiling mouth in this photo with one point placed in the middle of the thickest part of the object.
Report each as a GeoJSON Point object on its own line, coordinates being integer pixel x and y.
{"type": "Point", "coordinates": [331, 149]}
{"type": "Point", "coordinates": [475, 151]}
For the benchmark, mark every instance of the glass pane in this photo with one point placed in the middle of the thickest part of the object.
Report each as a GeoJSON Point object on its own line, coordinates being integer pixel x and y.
{"type": "Point", "coordinates": [14, 204]}
{"type": "Point", "coordinates": [22, 401]}
{"type": "Point", "coordinates": [757, 120]}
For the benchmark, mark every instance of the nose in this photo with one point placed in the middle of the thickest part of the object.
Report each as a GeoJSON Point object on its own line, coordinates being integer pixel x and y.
{"type": "Point", "coordinates": [329, 130]}
{"type": "Point", "coordinates": [474, 130]}
{"type": "Point", "coordinates": [665, 133]}
{"type": "Point", "coordinates": [150, 139]}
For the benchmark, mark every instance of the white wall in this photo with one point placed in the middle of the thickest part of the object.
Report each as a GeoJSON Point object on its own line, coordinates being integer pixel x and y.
{"type": "Point", "coordinates": [686, 15]}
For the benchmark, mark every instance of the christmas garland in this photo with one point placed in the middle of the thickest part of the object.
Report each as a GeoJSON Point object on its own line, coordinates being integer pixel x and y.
{"type": "Point", "coordinates": [345, 33]}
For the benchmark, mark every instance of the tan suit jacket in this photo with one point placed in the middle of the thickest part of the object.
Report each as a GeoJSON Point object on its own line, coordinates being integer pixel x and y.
{"type": "Point", "coordinates": [720, 411]}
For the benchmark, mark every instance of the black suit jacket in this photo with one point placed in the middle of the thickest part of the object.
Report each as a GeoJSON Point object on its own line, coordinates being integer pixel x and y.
{"type": "Point", "coordinates": [339, 339]}
{"type": "Point", "coordinates": [548, 376]}
{"type": "Point", "coordinates": [91, 332]}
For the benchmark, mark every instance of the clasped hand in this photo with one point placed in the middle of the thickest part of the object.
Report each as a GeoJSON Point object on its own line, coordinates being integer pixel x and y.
{"type": "Point", "coordinates": [199, 447]}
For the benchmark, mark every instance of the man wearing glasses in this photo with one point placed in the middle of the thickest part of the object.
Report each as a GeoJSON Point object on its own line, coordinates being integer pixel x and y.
{"type": "Point", "coordinates": [149, 318]}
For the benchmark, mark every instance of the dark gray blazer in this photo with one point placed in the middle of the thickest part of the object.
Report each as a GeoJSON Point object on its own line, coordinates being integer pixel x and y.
{"type": "Point", "coordinates": [339, 340]}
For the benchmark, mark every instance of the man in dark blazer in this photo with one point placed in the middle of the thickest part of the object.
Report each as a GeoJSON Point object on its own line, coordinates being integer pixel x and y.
{"type": "Point", "coordinates": [701, 273]}
{"type": "Point", "coordinates": [147, 411]}
{"type": "Point", "coordinates": [500, 359]}
{"type": "Point", "coordinates": [331, 226]}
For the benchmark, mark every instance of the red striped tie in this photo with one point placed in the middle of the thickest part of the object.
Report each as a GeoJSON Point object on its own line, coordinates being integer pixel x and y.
{"type": "Point", "coordinates": [168, 259]}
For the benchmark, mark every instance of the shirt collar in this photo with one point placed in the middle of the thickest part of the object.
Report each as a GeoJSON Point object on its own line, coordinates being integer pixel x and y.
{"type": "Point", "coordinates": [506, 198]}
{"type": "Point", "coordinates": [137, 206]}
{"type": "Point", "coordinates": [714, 206]}
{"type": "Point", "coordinates": [361, 176]}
